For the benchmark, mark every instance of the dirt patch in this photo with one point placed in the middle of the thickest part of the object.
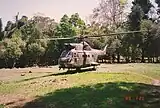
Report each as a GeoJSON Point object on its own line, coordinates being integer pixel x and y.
{"type": "Point", "coordinates": [9, 74]}
{"type": "Point", "coordinates": [10, 101]}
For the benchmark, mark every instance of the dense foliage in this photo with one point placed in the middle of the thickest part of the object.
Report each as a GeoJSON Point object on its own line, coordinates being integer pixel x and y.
{"type": "Point", "coordinates": [20, 47]}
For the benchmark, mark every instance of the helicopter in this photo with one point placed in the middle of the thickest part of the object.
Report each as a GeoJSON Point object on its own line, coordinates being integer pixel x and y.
{"type": "Point", "coordinates": [82, 55]}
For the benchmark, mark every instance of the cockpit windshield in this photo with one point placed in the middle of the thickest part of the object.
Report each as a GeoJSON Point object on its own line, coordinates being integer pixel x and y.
{"type": "Point", "coordinates": [69, 54]}
{"type": "Point", "coordinates": [66, 53]}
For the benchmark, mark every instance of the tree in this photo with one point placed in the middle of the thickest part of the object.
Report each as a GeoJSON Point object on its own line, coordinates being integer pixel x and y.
{"type": "Point", "coordinates": [158, 10]}
{"type": "Point", "coordinates": [45, 24]}
{"type": "Point", "coordinates": [1, 32]}
{"type": "Point", "coordinates": [135, 17]}
{"type": "Point", "coordinates": [139, 11]}
{"type": "Point", "coordinates": [158, 2]}
{"type": "Point", "coordinates": [146, 5]}
{"type": "Point", "coordinates": [146, 38]}
{"type": "Point", "coordinates": [154, 49]}
{"type": "Point", "coordinates": [78, 24]}
{"type": "Point", "coordinates": [96, 29]}
{"type": "Point", "coordinates": [12, 50]}
{"type": "Point", "coordinates": [53, 52]}
{"type": "Point", "coordinates": [35, 50]}
{"type": "Point", "coordinates": [108, 17]}
{"type": "Point", "coordinates": [21, 22]}
{"type": "Point", "coordinates": [28, 31]}
{"type": "Point", "coordinates": [110, 12]}
{"type": "Point", "coordinates": [64, 28]}
{"type": "Point", "coordinates": [9, 29]}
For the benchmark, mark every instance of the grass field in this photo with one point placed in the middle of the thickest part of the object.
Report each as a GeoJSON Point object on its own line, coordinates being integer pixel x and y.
{"type": "Point", "coordinates": [108, 87]}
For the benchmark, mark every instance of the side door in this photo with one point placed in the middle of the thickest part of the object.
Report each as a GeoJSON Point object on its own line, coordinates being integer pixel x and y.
{"type": "Point", "coordinates": [80, 58]}
{"type": "Point", "coordinates": [88, 58]}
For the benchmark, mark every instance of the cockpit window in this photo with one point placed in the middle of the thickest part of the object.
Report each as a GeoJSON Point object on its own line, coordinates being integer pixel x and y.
{"type": "Point", "coordinates": [66, 54]}
{"type": "Point", "coordinates": [69, 54]}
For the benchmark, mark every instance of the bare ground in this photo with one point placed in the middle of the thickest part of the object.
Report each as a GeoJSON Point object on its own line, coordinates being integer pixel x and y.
{"type": "Point", "coordinates": [7, 74]}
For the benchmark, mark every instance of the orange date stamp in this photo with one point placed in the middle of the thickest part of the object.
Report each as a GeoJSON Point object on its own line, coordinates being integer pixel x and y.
{"type": "Point", "coordinates": [137, 98]}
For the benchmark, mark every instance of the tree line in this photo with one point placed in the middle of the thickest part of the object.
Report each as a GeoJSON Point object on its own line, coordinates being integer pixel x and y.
{"type": "Point", "coordinates": [20, 47]}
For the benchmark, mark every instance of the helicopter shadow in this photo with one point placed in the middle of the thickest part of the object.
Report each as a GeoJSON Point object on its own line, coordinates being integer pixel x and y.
{"type": "Point", "coordinates": [57, 74]}
{"type": "Point", "coordinates": [74, 72]}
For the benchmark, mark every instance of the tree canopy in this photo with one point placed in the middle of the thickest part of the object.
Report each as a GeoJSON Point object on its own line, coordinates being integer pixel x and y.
{"type": "Point", "coordinates": [19, 46]}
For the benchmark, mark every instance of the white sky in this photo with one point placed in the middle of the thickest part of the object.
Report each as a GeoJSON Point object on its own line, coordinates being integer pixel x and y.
{"type": "Point", "coordinates": [52, 8]}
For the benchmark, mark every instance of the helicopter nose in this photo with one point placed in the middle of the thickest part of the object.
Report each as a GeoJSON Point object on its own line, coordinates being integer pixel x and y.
{"type": "Point", "coordinates": [63, 60]}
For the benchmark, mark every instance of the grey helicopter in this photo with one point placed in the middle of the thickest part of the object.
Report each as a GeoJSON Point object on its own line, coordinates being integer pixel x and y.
{"type": "Point", "coordinates": [82, 55]}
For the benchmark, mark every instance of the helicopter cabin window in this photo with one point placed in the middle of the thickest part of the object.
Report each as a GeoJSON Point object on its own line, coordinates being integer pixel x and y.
{"type": "Point", "coordinates": [75, 55]}
{"type": "Point", "coordinates": [84, 56]}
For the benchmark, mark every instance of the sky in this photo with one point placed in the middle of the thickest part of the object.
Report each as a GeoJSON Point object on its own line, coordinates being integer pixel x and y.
{"type": "Point", "coordinates": [52, 8]}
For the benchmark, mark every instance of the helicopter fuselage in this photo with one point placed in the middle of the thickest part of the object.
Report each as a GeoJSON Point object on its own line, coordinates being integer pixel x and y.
{"type": "Point", "coordinates": [79, 58]}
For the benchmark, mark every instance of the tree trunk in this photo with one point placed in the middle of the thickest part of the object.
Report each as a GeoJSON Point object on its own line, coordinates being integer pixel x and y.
{"type": "Point", "coordinates": [157, 60]}
{"type": "Point", "coordinates": [118, 57]}
{"type": "Point", "coordinates": [127, 59]}
{"type": "Point", "coordinates": [6, 64]}
{"type": "Point", "coordinates": [143, 56]}
{"type": "Point", "coordinates": [153, 60]}
{"type": "Point", "coordinates": [113, 58]}
{"type": "Point", "coordinates": [14, 63]}
{"type": "Point", "coordinates": [148, 59]}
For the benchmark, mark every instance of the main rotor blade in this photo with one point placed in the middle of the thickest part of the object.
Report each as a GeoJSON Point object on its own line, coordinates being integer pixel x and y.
{"type": "Point", "coordinates": [93, 36]}
{"type": "Point", "coordinates": [58, 38]}
{"type": "Point", "coordinates": [130, 32]}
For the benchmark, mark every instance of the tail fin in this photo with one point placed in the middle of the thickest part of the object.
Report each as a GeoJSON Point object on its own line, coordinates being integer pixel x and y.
{"type": "Point", "coordinates": [105, 48]}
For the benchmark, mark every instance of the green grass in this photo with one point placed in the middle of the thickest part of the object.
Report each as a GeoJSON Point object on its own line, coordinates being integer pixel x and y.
{"type": "Point", "coordinates": [89, 89]}
{"type": "Point", "coordinates": [101, 95]}
{"type": "Point", "coordinates": [45, 84]}
{"type": "Point", "coordinates": [2, 106]}
{"type": "Point", "coordinates": [6, 88]}
{"type": "Point", "coordinates": [150, 70]}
